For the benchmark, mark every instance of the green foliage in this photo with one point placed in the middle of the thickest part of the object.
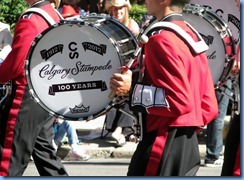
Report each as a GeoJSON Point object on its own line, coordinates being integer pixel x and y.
{"type": "Point", "coordinates": [10, 11]}
{"type": "Point", "coordinates": [137, 11]}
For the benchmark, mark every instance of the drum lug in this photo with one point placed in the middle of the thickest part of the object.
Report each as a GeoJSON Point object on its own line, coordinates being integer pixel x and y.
{"type": "Point", "coordinates": [73, 22]}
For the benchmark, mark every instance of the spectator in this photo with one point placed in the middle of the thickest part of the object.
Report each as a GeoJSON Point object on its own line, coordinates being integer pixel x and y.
{"type": "Point", "coordinates": [119, 9]}
{"type": "Point", "coordinates": [214, 143]}
{"type": "Point", "coordinates": [66, 128]}
{"type": "Point", "coordinates": [101, 6]}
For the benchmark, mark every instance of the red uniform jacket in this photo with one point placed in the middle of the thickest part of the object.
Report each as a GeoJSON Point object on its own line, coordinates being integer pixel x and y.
{"type": "Point", "coordinates": [185, 80]}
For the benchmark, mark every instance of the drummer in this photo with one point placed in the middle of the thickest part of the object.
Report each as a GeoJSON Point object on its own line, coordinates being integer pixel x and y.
{"type": "Point", "coordinates": [25, 128]}
{"type": "Point", "coordinates": [174, 95]}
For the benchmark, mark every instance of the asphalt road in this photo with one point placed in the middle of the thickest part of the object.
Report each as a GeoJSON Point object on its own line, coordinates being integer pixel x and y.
{"type": "Point", "coordinates": [107, 167]}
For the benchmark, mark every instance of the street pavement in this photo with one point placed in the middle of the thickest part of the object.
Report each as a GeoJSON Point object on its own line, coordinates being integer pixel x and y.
{"type": "Point", "coordinates": [110, 168]}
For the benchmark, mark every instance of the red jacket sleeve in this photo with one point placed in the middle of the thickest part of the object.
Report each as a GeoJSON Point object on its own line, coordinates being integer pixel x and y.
{"type": "Point", "coordinates": [209, 104]}
{"type": "Point", "coordinates": [13, 65]}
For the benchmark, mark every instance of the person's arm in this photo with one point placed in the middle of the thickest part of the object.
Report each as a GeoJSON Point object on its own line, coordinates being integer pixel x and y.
{"type": "Point", "coordinates": [13, 65]}
{"type": "Point", "coordinates": [209, 102]}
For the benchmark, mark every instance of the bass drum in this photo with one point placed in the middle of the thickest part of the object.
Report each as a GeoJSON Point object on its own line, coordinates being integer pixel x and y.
{"type": "Point", "coordinates": [69, 65]}
{"type": "Point", "coordinates": [217, 36]}
{"type": "Point", "coordinates": [226, 9]}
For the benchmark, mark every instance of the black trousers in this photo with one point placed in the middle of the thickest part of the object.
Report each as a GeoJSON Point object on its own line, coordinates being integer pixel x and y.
{"type": "Point", "coordinates": [180, 156]}
{"type": "Point", "coordinates": [28, 131]}
{"type": "Point", "coordinates": [231, 147]}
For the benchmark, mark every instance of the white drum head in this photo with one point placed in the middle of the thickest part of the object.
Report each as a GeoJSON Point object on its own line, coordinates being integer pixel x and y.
{"type": "Point", "coordinates": [69, 69]}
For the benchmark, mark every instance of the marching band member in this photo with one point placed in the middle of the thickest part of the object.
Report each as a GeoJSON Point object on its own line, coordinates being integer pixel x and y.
{"type": "Point", "coordinates": [174, 95]}
{"type": "Point", "coordinates": [25, 128]}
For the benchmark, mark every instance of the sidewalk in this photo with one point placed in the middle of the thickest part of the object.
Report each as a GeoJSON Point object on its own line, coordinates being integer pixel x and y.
{"type": "Point", "coordinates": [89, 133]}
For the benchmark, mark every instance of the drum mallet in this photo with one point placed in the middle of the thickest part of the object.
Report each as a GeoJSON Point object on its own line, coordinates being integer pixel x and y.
{"type": "Point", "coordinates": [143, 40]}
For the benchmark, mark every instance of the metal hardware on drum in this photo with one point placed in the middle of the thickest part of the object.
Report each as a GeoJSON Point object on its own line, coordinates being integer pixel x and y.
{"type": "Point", "coordinates": [6, 89]}
{"type": "Point", "coordinates": [236, 100]}
{"type": "Point", "coordinates": [86, 20]}
{"type": "Point", "coordinates": [73, 22]}
{"type": "Point", "coordinates": [123, 41]}
{"type": "Point", "coordinates": [101, 18]}
{"type": "Point", "coordinates": [227, 92]}
{"type": "Point", "coordinates": [234, 95]}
